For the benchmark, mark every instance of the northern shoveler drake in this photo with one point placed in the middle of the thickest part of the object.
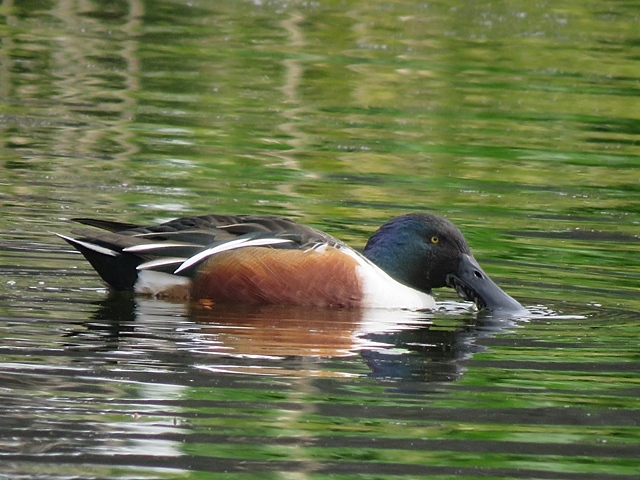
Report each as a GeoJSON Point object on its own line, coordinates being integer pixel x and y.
{"type": "Point", "coordinates": [254, 259]}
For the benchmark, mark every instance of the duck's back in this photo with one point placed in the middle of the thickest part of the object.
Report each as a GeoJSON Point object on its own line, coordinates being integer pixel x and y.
{"type": "Point", "coordinates": [204, 230]}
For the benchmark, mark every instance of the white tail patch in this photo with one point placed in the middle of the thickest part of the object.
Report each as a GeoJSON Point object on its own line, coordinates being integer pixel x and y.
{"type": "Point", "coordinates": [162, 284]}
{"type": "Point", "coordinates": [232, 245]}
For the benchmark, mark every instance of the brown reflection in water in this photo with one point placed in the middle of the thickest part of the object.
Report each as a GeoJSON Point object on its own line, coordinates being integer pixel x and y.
{"type": "Point", "coordinates": [298, 331]}
{"type": "Point", "coordinates": [287, 340]}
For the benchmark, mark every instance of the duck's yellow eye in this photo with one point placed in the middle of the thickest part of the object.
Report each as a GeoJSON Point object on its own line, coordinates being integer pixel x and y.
{"type": "Point", "coordinates": [434, 239]}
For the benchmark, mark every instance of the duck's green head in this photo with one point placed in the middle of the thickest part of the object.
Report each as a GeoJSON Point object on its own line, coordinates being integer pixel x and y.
{"type": "Point", "coordinates": [424, 251]}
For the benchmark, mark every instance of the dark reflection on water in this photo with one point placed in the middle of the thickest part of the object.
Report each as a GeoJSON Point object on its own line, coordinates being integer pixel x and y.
{"type": "Point", "coordinates": [392, 344]}
{"type": "Point", "coordinates": [434, 354]}
{"type": "Point", "coordinates": [89, 381]}
{"type": "Point", "coordinates": [142, 383]}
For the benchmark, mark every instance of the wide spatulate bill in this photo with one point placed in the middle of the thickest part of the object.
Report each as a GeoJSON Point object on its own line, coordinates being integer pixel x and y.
{"type": "Point", "coordinates": [474, 285]}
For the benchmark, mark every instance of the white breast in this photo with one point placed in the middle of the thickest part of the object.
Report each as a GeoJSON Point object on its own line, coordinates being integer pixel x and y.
{"type": "Point", "coordinates": [382, 291]}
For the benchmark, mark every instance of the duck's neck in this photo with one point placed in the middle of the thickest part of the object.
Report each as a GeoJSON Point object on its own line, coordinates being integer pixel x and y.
{"type": "Point", "coordinates": [390, 253]}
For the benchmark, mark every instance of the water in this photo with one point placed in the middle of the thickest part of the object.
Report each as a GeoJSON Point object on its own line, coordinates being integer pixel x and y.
{"type": "Point", "coordinates": [519, 122]}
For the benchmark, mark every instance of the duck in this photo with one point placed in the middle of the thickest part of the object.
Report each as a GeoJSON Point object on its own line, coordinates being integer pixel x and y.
{"type": "Point", "coordinates": [271, 260]}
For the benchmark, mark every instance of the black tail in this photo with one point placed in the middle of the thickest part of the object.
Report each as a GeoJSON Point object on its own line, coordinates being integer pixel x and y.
{"type": "Point", "coordinates": [116, 267]}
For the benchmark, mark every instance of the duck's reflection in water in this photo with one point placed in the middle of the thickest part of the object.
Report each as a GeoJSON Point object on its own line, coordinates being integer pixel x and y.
{"type": "Point", "coordinates": [299, 331]}
{"type": "Point", "coordinates": [391, 344]}
{"type": "Point", "coordinates": [386, 344]}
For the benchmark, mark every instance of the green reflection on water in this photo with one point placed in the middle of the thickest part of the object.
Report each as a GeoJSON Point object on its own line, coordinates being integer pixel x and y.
{"type": "Point", "coordinates": [517, 121]}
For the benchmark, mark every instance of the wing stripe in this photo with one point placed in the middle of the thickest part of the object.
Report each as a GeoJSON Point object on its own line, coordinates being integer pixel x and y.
{"type": "Point", "coordinates": [232, 245]}
{"type": "Point", "coordinates": [89, 246]}
{"type": "Point", "coordinates": [161, 262]}
{"type": "Point", "coordinates": [147, 247]}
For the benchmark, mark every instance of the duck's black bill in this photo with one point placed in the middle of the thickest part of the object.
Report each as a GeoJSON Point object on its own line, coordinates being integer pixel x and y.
{"type": "Point", "coordinates": [474, 285]}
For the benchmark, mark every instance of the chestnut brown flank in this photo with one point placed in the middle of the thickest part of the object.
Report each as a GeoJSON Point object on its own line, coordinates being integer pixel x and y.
{"type": "Point", "coordinates": [256, 275]}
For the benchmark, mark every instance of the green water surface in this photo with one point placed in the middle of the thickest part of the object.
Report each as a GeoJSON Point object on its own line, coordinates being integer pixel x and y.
{"type": "Point", "coordinates": [518, 121]}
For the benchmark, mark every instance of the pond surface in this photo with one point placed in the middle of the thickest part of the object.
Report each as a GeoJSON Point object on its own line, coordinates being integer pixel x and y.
{"type": "Point", "coordinates": [518, 121]}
